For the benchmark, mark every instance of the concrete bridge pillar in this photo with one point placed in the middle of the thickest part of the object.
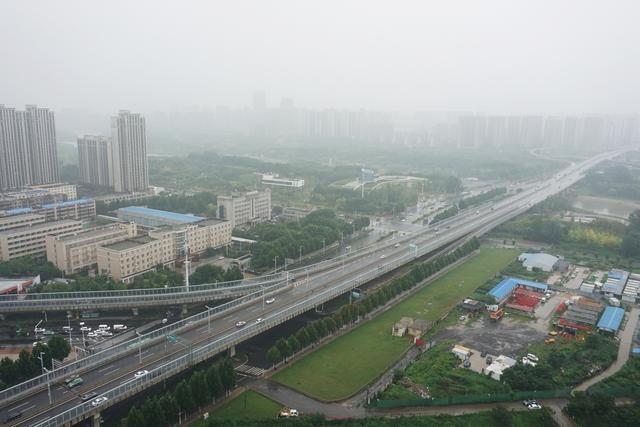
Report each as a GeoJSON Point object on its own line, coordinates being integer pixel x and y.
{"type": "Point", "coordinates": [95, 420]}
{"type": "Point", "coordinates": [232, 351]}
{"type": "Point", "coordinates": [184, 309]}
{"type": "Point", "coordinates": [135, 311]}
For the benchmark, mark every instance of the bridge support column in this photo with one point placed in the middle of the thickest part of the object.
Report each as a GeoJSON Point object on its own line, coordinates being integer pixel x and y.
{"type": "Point", "coordinates": [135, 311]}
{"type": "Point", "coordinates": [95, 420]}
{"type": "Point", "coordinates": [184, 309]}
{"type": "Point", "coordinates": [232, 351]}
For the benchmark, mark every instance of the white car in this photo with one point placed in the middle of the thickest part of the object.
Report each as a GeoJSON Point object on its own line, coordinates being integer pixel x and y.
{"type": "Point", "coordinates": [532, 406]}
{"type": "Point", "coordinates": [85, 329]}
{"type": "Point", "coordinates": [39, 330]}
{"type": "Point", "coordinates": [259, 320]}
{"type": "Point", "coordinates": [92, 335]}
{"type": "Point", "coordinates": [140, 374]}
{"type": "Point", "coordinates": [98, 401]}
{"type": "Point", "coordinates": [240, 324]}
{"type": "Point", "coordinates": [270, 301]}
{"type": "Point", "coordinates": [383, 256]}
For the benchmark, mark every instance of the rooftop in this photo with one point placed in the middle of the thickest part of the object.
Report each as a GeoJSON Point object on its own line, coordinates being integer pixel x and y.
{"type": "Point", "coordinates": [611, 319]}
{"type": "Point", "coordinates": [507, 285]}
{"type": "Point", "coordinates": [68, 203]}
{"type": "Point", "coordinates": [39, 226]}
{"type": "Point", "coordinates": [161, 215]}
{"type": "Point", "coordinates": [129, 243]}
{"type": "Point", "coordinates": [87, 234]}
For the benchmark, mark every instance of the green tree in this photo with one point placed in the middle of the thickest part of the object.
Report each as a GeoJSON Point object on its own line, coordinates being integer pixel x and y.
{"type": "Point", "coordinates": [184, 397]}
{"type": "Point", "coordinates": [152, 412]}
{"type": "Point", "coordinates": [294, 344]}
{"type": "Point", "coordinates": [502, 416]}
{"type": "Point", "coordinates": [273, 355]}
{"type": "Point", "coordinates": [213, 381]}
{"type": "Point", "coordinates": [199, 388]}
{"type": "Point", "coordinates": [283, 348]}
{"type": "Point", "coordinates": [59, 346]}
{"type": "Point", "coordinates": [169, 407]}
{"type": "Point", "coordinates": [135, 418]}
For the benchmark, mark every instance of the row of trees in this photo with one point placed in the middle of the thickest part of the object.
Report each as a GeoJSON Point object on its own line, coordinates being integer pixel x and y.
{"type": "Point", "coordinates": [631, 241]}
{"type": "Point", "coordinates": [318, 329]}
{"type": "Point", "coordinates": [447, 213]}
{"type": "Point", "coordinates": [28, 266]}
{"type": "Point", "coordinates": [481, 198]}
{"type": "Point", "coordinates": [203, 203]}
{"type": "Point", "coordinates": [160, 278]}
{"type": "Point", "coordinates": [28, 364]}
{"type": "Point", "coordinates": [200, 388]}
{"type": "Point", "coordinates": [281, 241]}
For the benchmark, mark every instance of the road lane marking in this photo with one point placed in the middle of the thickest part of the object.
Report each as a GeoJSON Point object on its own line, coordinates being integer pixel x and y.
{"type": "Point", "coordinates": [111, 371]}
{"type": "Point", "coordinates": [19, 406]}
{"type": "Point", "coordinates": [105, 368]}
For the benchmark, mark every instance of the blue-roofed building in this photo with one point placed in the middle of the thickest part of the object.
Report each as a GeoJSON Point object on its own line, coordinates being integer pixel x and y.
{"type": "Point", "coordinates": [611, 319]}
{"type": "Point", "coordinates": [154, 217]}
{"type": "Point", "coordinates": [15, 211]}
{"type": "Point", "coordinates": [504, 289]}
{"type": "Point", "coordinates": [81, 210]}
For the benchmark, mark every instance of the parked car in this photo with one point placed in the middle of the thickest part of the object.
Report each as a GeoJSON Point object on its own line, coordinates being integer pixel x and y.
{"type": "Point", "coordinates": [240, 324]}
{"type": "Point", "coordinates": [532, 357]}
{"type": "Point", "coordinates": [533, 406]}
{"type": "Point", "coordinates": [467, 363]}
{"type": "Point", "coordinates": [85, 329]}
{"type": "Point", "coordinates": [489, 360]}
{"type": "Point", "coordinates": [270, 301]}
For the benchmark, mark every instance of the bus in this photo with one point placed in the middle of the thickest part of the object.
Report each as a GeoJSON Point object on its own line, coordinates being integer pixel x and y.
{"type": "Point", "coordinates": [75, 383]}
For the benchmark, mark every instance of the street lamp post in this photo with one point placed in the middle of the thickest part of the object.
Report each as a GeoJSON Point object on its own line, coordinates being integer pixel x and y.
{"type": "Point", "coordinates": [323, 244]}
{"type": "Point", "coordinates": [307, 271]}
{"type": "Point", "coordinates": [69, 330]}
{"type": "Point", "coordinates": [208, 317]}
{"type": "Point", "coordinates": [275, 264]}
{"type": "Point", "coordinates": [300, 255]}
{"type": "Point", "coordinates": [139, 346]}
{"type": "Point", "coordinates": [41, 357]}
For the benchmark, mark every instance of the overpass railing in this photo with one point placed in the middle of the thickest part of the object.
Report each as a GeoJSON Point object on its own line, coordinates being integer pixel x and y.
{"type": "Point", "coordinates": [128, 346]}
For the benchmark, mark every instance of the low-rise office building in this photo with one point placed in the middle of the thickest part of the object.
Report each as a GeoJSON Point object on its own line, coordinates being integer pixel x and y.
{"type": "Point", "coordinates": [21, 219]}
{"type": "Point", "coordinates": [291, 213]}
{"type": "Point", "coordinates": [69, 191]}
{"type": "Point", "coordinates": [245, 208]}
{"type": "Point", "coordinates": [28, 199]}
{"type": "Point", "coordinates": [273, 179]}
{"type": "Point", "coordinates": [30, 240]}
{"type": "Point", "coordinates": [80, 210]}
{"type": "Point", "coordinates": [126, 259]}
{"type": "Point", "coordinates": [73, 252]}
{"type": "Point", "coordinates": [131, 257]}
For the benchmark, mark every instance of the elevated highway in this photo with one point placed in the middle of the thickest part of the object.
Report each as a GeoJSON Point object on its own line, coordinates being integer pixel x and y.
{"type": "Point", "coordinates": [207, 334]}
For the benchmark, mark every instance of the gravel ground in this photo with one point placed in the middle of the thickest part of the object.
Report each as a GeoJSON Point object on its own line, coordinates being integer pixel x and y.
{"type": "Point", "coordinates": [506, 336]}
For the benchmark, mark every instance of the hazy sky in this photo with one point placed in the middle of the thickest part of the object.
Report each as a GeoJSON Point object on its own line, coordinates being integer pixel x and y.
{"type": "Point", "coordinates": [493, 56]}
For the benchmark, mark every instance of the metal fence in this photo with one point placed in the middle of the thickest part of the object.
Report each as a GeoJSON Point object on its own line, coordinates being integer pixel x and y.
{"type": "Point", "coordinates": [130, 345]}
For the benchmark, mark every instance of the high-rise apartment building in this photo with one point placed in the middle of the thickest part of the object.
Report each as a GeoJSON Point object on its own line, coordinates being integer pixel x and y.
{"type": "Point", "coordinates": [129, 147]}
{"type": "Point", "coordinates": [94, 159]}
{"type": "Point", "coordinates": [28, 151]}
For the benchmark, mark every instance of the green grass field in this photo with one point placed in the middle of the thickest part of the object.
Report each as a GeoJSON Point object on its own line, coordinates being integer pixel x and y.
{"type": "Point", "coordinates": [347, 364]}
{"type": "Point", "coordinates": [249, 404]}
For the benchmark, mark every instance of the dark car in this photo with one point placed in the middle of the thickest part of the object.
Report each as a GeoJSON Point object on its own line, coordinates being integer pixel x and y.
{"type": "Point", "coordinates": [88, 396]}
{"type": "Point", "coordinates": [13, 416]}
{"type": "Point", "coordinates": [483, 354]}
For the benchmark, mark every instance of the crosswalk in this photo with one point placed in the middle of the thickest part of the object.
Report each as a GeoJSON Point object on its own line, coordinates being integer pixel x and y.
{"type": "Point", "coordinates": [252, 371]}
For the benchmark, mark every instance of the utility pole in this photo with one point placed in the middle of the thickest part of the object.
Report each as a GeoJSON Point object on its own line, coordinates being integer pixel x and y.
{"type": "Point", "coordinates": [300, 255]}
{"type": "Point", "coordinates": [323, 240]}
{"type": "Point", "coordinates": [139, 346]}
{"type": "Point", "coordinates": [186, 265]}
{"type": "Point", "coordinates": [41, 357]}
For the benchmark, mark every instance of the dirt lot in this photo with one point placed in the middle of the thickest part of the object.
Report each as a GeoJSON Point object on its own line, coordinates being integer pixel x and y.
{"type": "Point", "coordinates": [508, 337]}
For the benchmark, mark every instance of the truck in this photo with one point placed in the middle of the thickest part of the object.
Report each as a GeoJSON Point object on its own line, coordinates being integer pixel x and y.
{"type": "Point", "coordinates": [497, 315]}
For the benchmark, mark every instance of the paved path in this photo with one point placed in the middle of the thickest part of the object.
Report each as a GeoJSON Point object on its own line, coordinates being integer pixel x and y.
{"type": "Point", "coordinates": [293, 399]}
{"type": "Point", "coordinates": [626, 339]}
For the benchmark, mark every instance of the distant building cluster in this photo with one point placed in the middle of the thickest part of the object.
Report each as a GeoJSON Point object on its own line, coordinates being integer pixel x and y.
{"type": "Point", "coordinates": [119, 162]}
{"type": "Point", "coordinates": [478, 130]}
{"type": "Point", "coordinates": [275, 180]}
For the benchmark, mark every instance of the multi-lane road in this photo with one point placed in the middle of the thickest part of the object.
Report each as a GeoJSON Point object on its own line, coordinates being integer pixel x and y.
{"type": "Point", "coordinates": [116, 373]}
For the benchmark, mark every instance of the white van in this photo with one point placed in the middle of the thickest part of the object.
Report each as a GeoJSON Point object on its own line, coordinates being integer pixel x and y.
{"type": "Point", "coordinates": [104, 327]}
{"type": "Point", "coordinates": [119, 327]}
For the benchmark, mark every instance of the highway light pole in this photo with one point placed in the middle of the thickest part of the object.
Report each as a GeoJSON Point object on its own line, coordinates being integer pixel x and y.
{"type": "Point", "coordinates": [69, 325]}
{"type": "Point", "coordinates": [300, 255]}
{"type": "Point", "coordinates": [139, 346]}
{"type": "Point", "coordinates": [323, 245]}
{"type": "Point", "coordinates": [208, 317]}
{"type": "Point", "coordinates": [275, 264]}
{"type": "Point", "coordinates": [41, 357]}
